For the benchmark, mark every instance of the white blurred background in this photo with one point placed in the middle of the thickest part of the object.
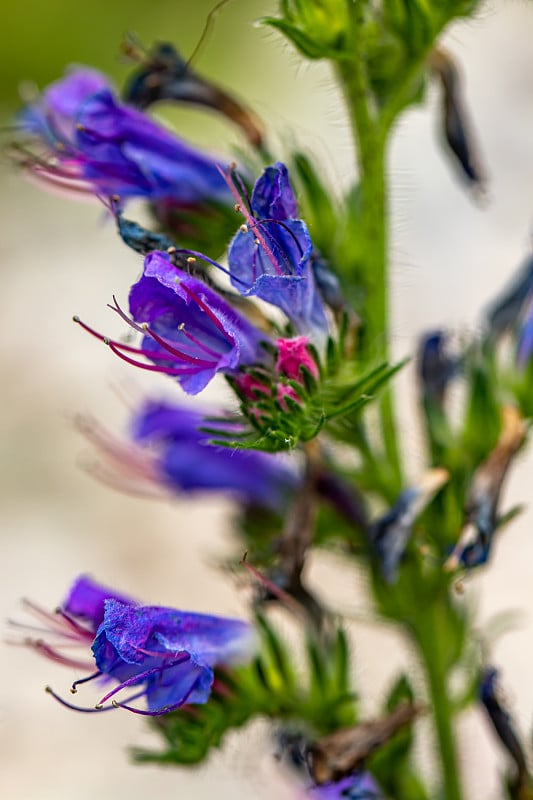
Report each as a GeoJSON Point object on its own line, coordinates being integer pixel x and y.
{"type": "Point", "coordinates": [59, 258]}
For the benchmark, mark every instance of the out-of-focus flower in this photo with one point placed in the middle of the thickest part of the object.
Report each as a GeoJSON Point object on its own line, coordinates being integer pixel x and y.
{"type": "Point", "coordinates": [391, 532]}
{"type": "Point", "coordinates": [482, 502]}
{"type": "Point", "coordinates": [270, 256]}
{"type": "Point", "coordinates": [73, 625]}
{"type": "Point", "coordinates": [93, 143]}
{"type": "Point", "coordinates": [436, 367]}
{"type": "Point", "coordinates": [165, 75]}
{"type": "Point", "coordinates": [169, 452]}
{"type": "Point", "coordinates": [503, 314]}
{"type": "Point", "coordinates": [189, 331]}
{"type": "Point", "coordinates": [164, 655]}
{"type": "Point", "coordinates": [503, 723]}
{"type": "Point", "coordinates": [456, 125]}
{"type": "Point", "coordinates": [360, 786]}
{"type": "Point", "coordinates": [524, 348]}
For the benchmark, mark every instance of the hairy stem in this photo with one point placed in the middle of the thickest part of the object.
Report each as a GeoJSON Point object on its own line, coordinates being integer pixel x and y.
{"type": "Point", "coordinates": [430, 650]}
{"type": "Point", "coordinates": [371, 227]}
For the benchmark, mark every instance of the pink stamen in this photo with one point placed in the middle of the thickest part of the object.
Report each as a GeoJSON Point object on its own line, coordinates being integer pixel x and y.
{"type": "Point", "coordinates": [152, 367]}
{"type": "Point", "coordinates": [53, 654]}
{"type": "Point", "coordinates": [250, 220]}
{"type": "Point", "coordinates": [116, 346]}
{"type": "Point", "coordinates": [76, 627]}
{"type": "Point", "coordinates": [179, 353]}
{"type": "Point", "coordinates": [55, 622]}
{"type": "Point", "coordinates": [268, 584]}
{"type": "Point", "coordinates": [201, 304]}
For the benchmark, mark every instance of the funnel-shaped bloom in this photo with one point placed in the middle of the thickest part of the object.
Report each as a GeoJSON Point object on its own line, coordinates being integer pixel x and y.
{"type": "Point", "coordinates": [94, 143]}
{"type": "Point", "coordinates": [169, 653]}
{"type": "Point", "coordinates": [189, 331]}
{"type": "Point", "coordinates": [161, 654]}
{"type": "Point", "coordinates": [186, 462]}
{"type": "Point", "coordinates": [270, 256]}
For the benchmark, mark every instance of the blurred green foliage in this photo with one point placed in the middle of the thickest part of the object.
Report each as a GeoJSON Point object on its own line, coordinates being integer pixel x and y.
{"type": "Point", "coordinates": [39, 39]}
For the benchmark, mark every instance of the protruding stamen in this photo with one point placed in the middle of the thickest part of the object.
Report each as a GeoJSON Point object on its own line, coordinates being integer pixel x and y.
{"type": "Point", "coordinates": [74, 687]}
{"type": "Point", "coordinates": [84, 710]}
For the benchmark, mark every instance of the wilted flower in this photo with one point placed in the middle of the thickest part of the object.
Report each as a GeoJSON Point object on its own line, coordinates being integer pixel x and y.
{"type": "Point", "coordinates": [436, 367]}
{"type": "Point", "coordinates": [502, 722]}
{"type": "Point", "coordinates": [94, 143]}
{"type": "Point", "coordinates": [503, 314]}
{"type": "Point", "coordinates": [165, 655]}
{"type": "Point", "coordinates": [165, 75]}
{"type": "Point", "coordinates": [391, 532]}
{"type": "Point", "coordinates": [456, 125]}
{"type": "Point", "coordinates": [270, 256]}
{"type": "Point", "coordinates": [189, 331]}
{"type": "Point", "coordinates": [483, 499]}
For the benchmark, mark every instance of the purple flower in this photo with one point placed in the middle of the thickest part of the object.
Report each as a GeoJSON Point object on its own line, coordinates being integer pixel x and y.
{"type": "Point", "coordinates": [360, 786]}
{"type": "Point", "coordinates": [190, 331]}
{"type": "Point", "coordinates": [270, 256]}
{"type": "Point", "coordinates": [74, 623]}
{"type": "Point", "coordinates": [186, 462]}
{"type": "Point", "coordinates": [166, 656]}
{"type": "Point", "coordinates": [85, 601]}
{"type": "Point", "coordinates": [94, 143]}
{"type": "Point", "coordinates": [525, 336]}
{"type": "Point", "coordinates": [170, 654]}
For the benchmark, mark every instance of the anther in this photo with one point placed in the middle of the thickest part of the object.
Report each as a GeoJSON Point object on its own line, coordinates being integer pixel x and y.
{"type": "Point", "coordinates": [171, 250]}
{"type": "Point", "coordinates": [115, 704]}
{"type": "Point", "coordinates": [76, 319]}
{"type": "Point", "coordinates": [99, 706]}
{"type": "Point", "coordinates": [106, 341]}
{"type": "Point", "coordinates": [256, 241]}
{"type": "Point", "coordinates": [233, 165]}
{"type": "Point", "coordinates": [237, 207]}
{"type": "Point", "coordinates": [191, 260]}
{"type": "Point", "coordinates": [80, 127]}
{"type": "Point", "coordinates": [244, 228]}
{"type": "Point", "coordinates": [144, 326]}
{"type": "Point", "coordinates": [115, 198]}
{"type": "Point", "coordinates": [73, 690]}
{"type": "Point", "coordinates": [181, 326]}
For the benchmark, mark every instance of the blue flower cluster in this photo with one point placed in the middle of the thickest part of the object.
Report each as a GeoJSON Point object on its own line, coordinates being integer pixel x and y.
{"type": "Point", "coordinates": [191, 327]}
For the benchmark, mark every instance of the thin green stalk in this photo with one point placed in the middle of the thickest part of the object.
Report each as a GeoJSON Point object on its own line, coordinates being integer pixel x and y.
{"type": "Point", "coordinates": [433, 659]}
{"type": "Point", "coordinates": [370, 138]}
{"type": "Point", "coordinates": [372, 229]}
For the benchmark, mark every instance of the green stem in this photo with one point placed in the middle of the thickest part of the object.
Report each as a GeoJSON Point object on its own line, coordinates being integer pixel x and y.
{"type": "Point", "coordinates": [372, 228]}
{"type": "Point", "coordinates": [430, 650]}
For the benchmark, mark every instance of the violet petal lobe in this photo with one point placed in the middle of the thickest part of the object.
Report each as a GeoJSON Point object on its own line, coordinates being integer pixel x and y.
{"type": "Point", "coordinates": [86, 598]}
{"type": "Point", "coordinates": [195, 321]}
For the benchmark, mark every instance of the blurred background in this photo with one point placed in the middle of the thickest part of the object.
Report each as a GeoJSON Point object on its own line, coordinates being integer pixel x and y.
{"type": "Point", "coordinates": [59, 258]}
